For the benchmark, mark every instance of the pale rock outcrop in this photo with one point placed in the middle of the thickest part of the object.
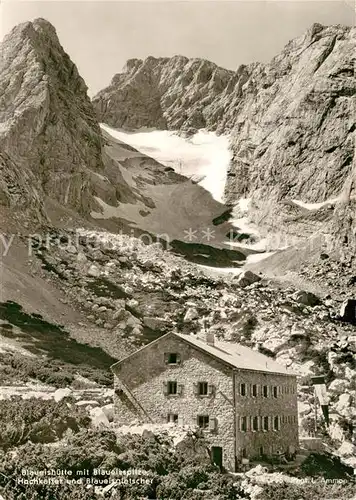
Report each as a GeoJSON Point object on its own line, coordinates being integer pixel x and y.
{"type": "Point", "coordinates": [99, 418]}
{"type": "Point", "coordinates": [344, 405]}
{"type": "Point", "coordinates": [190, 315]}
{"type": "Point", "coordinates": [60, 394]}
{"type": "Point", "coordinates": [347, 451]}
{"type": "Point", "coordinates": [108, 410]}
{"type": "Point", "coordinates": [339, 385]}
{"type": "Point", "coordinates": [93, 271]}
{"type": "Point", "coordinates": [335, 431]}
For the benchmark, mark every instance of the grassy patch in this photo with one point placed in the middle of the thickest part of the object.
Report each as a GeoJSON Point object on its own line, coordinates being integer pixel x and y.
{"type": "Point", "coordinates": [102, 287]}
{"type": "Point", "coordinates": [50, 340]}
{"type": "Point", "coordinates": [38, 421]}
{"type": "Point", "coordinates": [15, 368]}
{"type": "Point", "coordinates": [208, 255]}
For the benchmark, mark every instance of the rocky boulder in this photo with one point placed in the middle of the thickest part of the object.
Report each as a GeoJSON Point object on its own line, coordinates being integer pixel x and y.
{"type": "Point", "coordinates": [99, 418]}
{"type": "Point", "coordinates": [157, 323]}
{"type": "Point", "coordinates": [247, 278]}
{"type": "Point", "coordinates": [345, 405]}
{"type": "Point", "coordinates": [306, 298]}
{"type": "Point", "coordinates": [60, 394]}
{"type": "Point", "coordinates": [109, 411]}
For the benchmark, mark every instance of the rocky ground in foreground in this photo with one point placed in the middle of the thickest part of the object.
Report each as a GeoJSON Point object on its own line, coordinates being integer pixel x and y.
{"type": "Point", "coordinates": [72, 438]}
{"type": "Point", "coordinates": [131, 293]}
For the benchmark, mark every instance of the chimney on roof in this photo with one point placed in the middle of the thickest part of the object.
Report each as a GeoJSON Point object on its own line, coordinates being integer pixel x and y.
{"type": "Point", "coordinates": [210, 338]}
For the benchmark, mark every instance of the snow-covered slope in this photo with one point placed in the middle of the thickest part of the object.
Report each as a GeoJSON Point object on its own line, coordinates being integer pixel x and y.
{"type": "Point", "coordinates": [204, 157]}
{"type": "Point", "coordinates": [316, 206]}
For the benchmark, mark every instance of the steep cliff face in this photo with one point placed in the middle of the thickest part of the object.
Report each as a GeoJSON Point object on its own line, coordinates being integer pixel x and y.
{"type": "Point", "coordinates": [19, 195]}
{"type": "Point", "coordinates": [294, 135]}
{"type": "Point", "coordinates": [344, 220]}
{"type": "Point", "coordinates": [48, 125]}
{"type": "Point", "coordinates": [167, 93]}
{"type": "Point", "coordinates": [292, 121]}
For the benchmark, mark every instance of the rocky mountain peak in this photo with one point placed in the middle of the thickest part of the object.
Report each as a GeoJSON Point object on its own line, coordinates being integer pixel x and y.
{"type": "Point", "coordinates": [48, 125]}
{"type": "Point", "coordinates": [164, 92]}
{"type": "Point", "coordinates": [291, 121]}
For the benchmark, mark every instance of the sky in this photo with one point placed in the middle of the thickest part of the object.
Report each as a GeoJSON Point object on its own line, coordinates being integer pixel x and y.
{"type": "Point", "coordinates": [101, 35]}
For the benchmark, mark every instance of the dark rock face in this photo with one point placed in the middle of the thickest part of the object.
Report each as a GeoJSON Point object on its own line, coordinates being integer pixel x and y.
{"type": "Point", "coordinates": [15, 187]}
{"type": "Point", "coordinates": [348, 311]}
{"type": "Point", "coordinates": [48, 125]}
{"type": "Point", "coordinates": [291, 121]}
{"type": "Point", "coordinates": [344, 221]}
{"type": "Point", "coordinates": [247, 278]}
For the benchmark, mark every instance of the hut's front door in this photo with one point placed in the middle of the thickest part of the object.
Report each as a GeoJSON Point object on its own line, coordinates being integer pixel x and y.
{"type": "Point", "coordinates": [217, 456]}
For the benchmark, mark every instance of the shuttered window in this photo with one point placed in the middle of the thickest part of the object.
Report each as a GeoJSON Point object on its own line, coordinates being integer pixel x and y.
{"type": "Point", "coordinates": [172, 358]}
{"type": "Point", "coordinates": [212, 424]}
{"type": "Point", "coordinates": [203, 421]}
{"type": "Point", "coordinates": [211, 389]}
{"type": "Point", "coordinates": [172, 387]}
{"type": "Point", "coordinates": [255, 423]}
{"type": "Point", "coordinates": [276, 425]}
{"type": "Point", "coordinates": [265, 423]}
{"type": "Point", "coordinates": [203, 388]}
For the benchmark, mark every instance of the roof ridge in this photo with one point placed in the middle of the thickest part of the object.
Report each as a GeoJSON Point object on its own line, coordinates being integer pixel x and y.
{"type": "Point", "coordinates": [200, 344]}
{"type": "Point", "coordinates": [221, 355]}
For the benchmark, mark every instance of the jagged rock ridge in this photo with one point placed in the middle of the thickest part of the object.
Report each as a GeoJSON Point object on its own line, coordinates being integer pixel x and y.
{"type": "Point", "coordinates": [173, 93]}
{"type": "Point", "coordinates": [291, 121]}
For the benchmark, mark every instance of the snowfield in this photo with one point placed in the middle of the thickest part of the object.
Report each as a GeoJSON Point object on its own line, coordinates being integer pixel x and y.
{"type": "Point", "coordinates": [204, 155]}
{"type": "Point", "coordinates": [315, 206]}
